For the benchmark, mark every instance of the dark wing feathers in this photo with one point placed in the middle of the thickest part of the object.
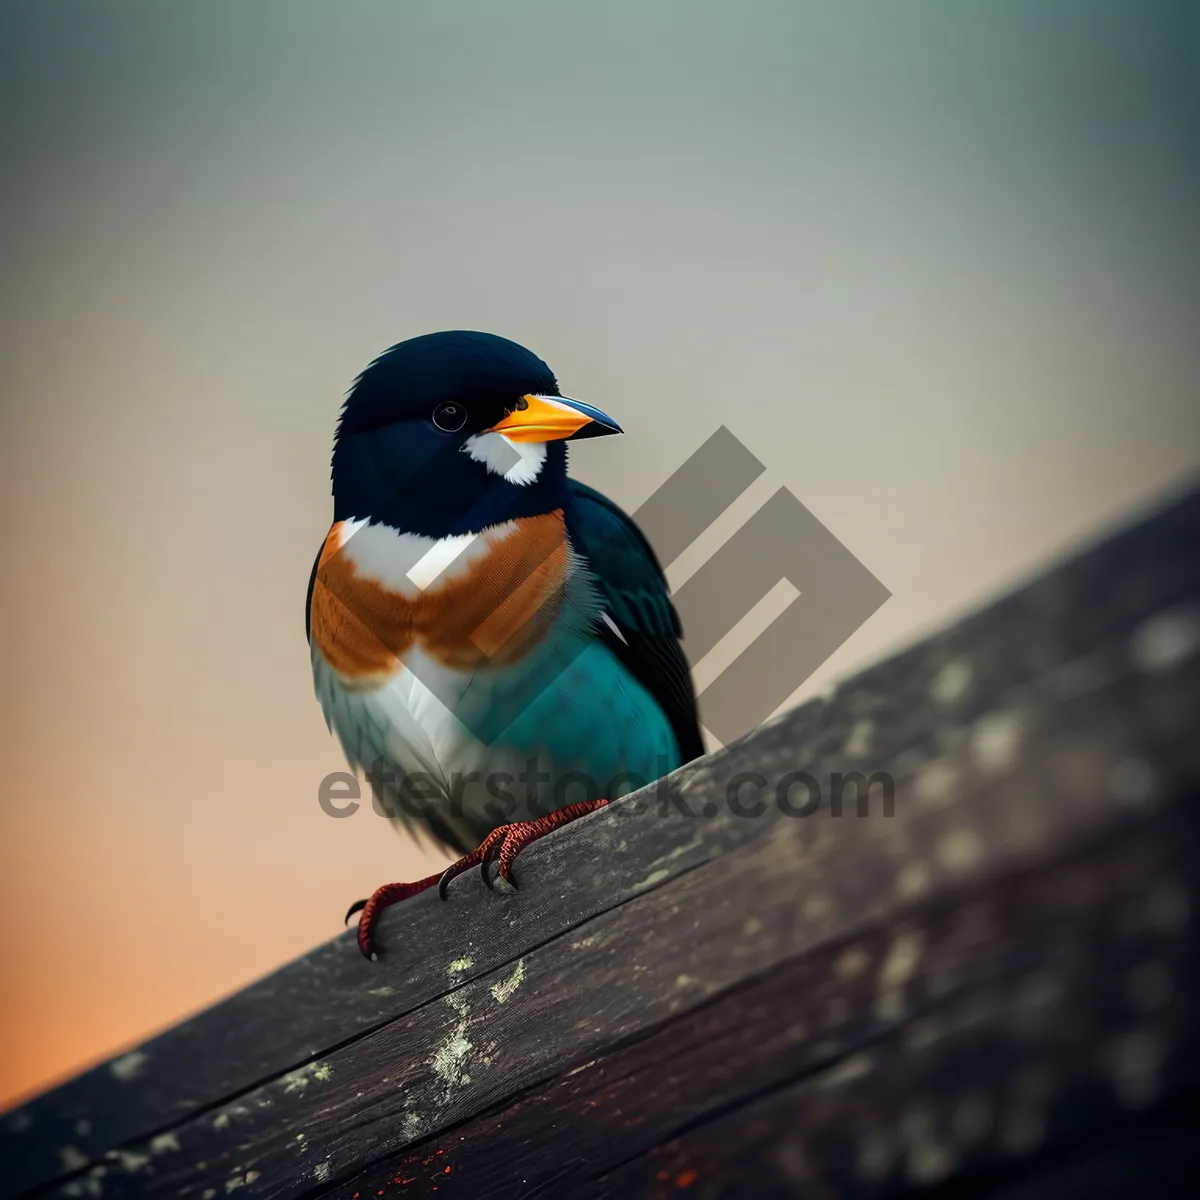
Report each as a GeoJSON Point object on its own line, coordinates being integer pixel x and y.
{"type": "Point", "coordinates": [629, 576]}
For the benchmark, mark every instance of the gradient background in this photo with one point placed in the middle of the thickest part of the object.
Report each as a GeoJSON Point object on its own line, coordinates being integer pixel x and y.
{"type": "Point", "coordinates": [935, 263]}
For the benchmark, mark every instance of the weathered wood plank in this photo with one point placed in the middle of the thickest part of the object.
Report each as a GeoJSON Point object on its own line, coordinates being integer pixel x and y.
{"type": "Point", "coordinates": [1018, 963]}
{"type": "Point", "coordinates": [974, 1087]}
{"type": "Point", "coordinates": [931, 716]}
{"type": "Point", "coordinates": [704, 932]}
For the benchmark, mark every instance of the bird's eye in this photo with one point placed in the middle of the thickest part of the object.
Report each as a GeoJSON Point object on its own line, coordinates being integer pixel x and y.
{"type": "Point", "coordinates": [450, 416]}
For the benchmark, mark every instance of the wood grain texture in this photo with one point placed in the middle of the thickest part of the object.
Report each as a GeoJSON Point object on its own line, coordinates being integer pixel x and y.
{"type": "Point", "coordinates": [1039, 741]}
{"type": "Point", "coordinates": [955, 1039]}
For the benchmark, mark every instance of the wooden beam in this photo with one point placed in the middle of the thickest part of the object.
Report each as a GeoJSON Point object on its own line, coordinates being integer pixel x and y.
{"type": "Point", "coordinates": [996, 981]}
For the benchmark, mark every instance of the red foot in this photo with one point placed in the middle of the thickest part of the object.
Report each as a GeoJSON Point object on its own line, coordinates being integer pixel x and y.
{"type": "Point", "coordinates": [381, 898]}
{"type": "Point", "coordinates": [503, 845]}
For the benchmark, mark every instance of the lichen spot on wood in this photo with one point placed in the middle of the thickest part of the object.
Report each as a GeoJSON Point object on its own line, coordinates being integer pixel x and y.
{"type": "Point", "coordinates": [449, 1060]}
{"type": "Point", "coordinates": [960, 850]}
{"type": "Point", "coordinates": [859, 741]}
{"type": "Point", "coordinates": [129, 1066]}
{"type": "Point", "coordinates": [996, 739]}
{"type": "Point", "coordinates": [951, 682]}
{"type": "Point", "coordinates": [1164, 641]}
{"type": "Point", "coordinates": [935, 784]}
{"type": "Point", "coordinates": [504, 990]}
{"type": "Point", "coordinates": [72, 1158]}
{"type": "Point", "coordinates": [900, 964]}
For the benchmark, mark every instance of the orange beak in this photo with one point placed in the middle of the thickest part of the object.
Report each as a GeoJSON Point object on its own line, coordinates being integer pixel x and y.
{"type": "Point", "coordinates": [554, 418]}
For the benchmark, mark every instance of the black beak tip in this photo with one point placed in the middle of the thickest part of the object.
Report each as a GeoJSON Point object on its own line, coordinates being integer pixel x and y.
{"type": "Point", "coordinates": [596, 428]}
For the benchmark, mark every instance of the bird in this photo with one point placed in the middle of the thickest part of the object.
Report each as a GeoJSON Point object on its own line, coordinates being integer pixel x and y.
{"type": "Point", "coordinates": [492, 641]}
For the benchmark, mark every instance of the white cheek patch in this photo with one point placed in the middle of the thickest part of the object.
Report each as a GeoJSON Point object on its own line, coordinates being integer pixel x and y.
{"type": "Point", "coordinates": [515, 462]}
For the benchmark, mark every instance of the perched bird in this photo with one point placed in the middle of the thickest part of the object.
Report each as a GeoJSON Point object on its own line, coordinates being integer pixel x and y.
{"type": "Point", "coordinates": [491, 641]}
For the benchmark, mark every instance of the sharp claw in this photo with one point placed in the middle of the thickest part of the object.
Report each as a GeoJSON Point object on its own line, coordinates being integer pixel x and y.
{"type": "Point", "coordinates": [356, 907]}
{"type": "Point", "coordinates": [448, 874]}
{"type": "Point", "coordinates": [485, 866]}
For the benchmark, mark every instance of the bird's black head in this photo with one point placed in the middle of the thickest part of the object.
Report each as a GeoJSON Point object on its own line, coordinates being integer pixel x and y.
{"type": "Point", "coordinates": [451, 432]}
